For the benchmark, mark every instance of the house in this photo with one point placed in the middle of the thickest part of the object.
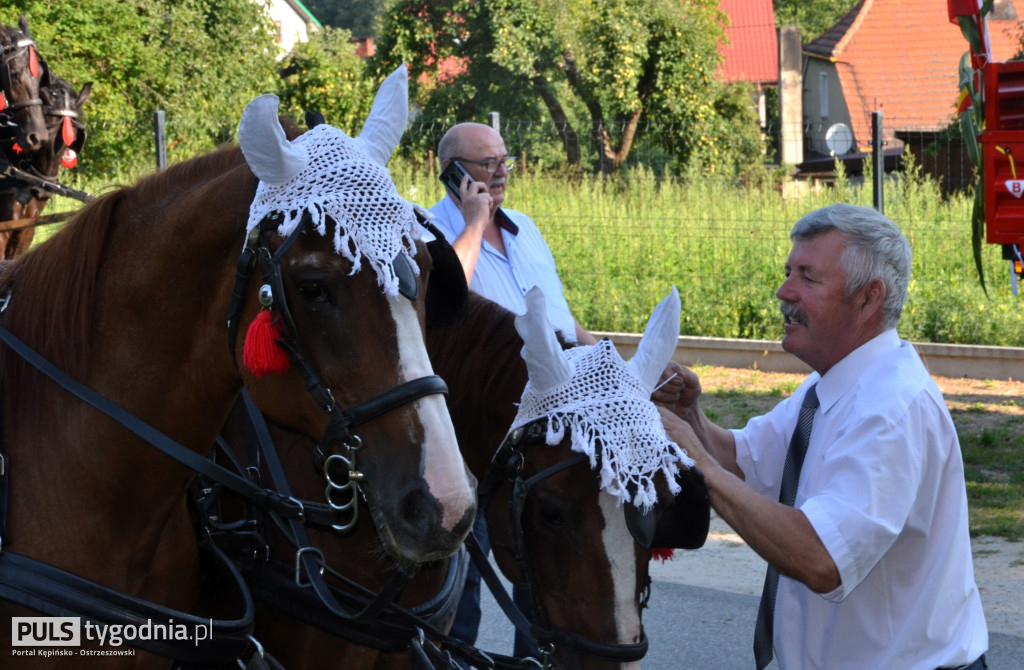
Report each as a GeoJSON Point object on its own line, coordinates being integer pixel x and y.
{"type": "Point", "coordinates": [900, 57]}
{"type": "Point", "coordinates": [293, 21]}
{"type": "Point", "coordinates": [751, 52]}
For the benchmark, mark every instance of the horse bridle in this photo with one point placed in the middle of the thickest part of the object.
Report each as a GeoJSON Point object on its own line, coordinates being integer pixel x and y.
{"type": "Point", "coordinates": [508, 466]}
{"type": "Point", "coordinates": [339, 467]}
{"type": "Point", "coordinates": [7, 53]}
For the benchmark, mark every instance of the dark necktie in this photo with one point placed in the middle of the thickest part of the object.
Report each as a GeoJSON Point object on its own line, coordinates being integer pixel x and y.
{"type": "Point", "coordinates": [790, 479]}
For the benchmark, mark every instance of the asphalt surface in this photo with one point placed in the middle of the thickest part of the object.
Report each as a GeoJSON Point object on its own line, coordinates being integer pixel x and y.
{"type": "Point", "coordinates": [695, 627]}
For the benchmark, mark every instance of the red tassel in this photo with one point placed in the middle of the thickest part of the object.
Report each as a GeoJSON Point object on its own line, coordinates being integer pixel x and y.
{"type": "Point", "coordinates": [262, 354]}
{"type": "Point", "coordinates": [33, 61]}
{"type": "Point", "coordinates": [3, 102]}
{"type": "Point", "coordinates": [69, 159]}
{"type": "Point", "coordinates": [17, 148]}
{"type": "Point", "coordinates": [662, 554]}
{"type": "Point", "coordinates": [67, 131]}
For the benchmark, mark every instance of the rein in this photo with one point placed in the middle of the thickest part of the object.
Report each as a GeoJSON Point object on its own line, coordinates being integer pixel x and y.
{"type": "Point", "coordinates": [507, 466]}
{"type": "Point", "coordinates": [57, 592]}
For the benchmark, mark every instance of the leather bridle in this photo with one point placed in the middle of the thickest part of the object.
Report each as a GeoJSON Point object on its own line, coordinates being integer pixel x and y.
{"type": "Point", "coordinates": [508, 467]}
{"type": "Point", "coordinates": [336, 454]}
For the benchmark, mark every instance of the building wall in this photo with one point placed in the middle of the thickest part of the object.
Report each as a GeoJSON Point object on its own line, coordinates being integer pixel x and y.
{"type": "Point", "coordinates": [291, 27]}
{"type": "Point", "coordinates": [824, 105]}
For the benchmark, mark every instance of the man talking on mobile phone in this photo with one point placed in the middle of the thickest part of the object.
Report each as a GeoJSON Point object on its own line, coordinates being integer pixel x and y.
{"type": "Point", "coordinates": [502, 252]}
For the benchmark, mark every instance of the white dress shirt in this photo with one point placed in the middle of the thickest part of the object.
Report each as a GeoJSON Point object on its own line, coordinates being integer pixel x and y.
{"type": "Point", "coordinates": [883, 486]}
{"type": "Point", "coordinates": [505, 279]}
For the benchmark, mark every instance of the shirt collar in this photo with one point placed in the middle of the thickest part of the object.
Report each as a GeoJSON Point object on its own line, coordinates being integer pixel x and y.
{"type": "Point", "coordinates": [842, 376]}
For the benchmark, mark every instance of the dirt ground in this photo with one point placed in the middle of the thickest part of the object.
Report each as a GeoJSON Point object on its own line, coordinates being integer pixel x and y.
{"type": "Point", "coordinates": [727, 563]}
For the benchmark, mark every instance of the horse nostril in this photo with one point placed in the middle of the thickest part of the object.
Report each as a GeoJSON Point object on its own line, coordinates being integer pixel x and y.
{"type": "Point", "coordinates": [421, 512]}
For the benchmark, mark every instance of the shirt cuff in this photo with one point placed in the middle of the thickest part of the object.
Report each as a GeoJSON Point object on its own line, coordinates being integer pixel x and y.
{"type": "Point", "coordinates": [834, 543]}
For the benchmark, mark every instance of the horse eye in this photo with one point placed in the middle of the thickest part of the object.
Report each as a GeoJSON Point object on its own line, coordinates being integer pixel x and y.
{"type": "Point", "coordinates": [550, 511]}
{"type": "Point", "coordinates": [314, 291]}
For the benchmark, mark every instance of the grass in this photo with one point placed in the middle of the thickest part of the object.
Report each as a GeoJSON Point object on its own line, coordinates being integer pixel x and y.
{"type": "Point", "coordinates": [991, 432]}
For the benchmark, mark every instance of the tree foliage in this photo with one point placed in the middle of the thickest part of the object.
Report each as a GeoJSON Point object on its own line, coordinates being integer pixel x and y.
{"type": "Point", "coordinates": [200, 61]}
{"type": "Point", "coordinates": [357, 16]}
{"type": "Point", "coordinates": [813, 16]}
{"type": "Point", "coordinates": [597, 69]}
{"type": "Point", "coordinates": [324, 74]}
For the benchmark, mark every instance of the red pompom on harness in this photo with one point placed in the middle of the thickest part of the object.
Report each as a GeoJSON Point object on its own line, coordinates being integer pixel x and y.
{"type": "Point", "coordinates": [69, 159]}
{"type": "Point", "coordinates": [33, 61]}
{"type": "Point", "coordinates": [262, 353]}
{"type": "Point", "coordinates": [662, 555]}
{"type": "Point", "coordinates": [67, 131]}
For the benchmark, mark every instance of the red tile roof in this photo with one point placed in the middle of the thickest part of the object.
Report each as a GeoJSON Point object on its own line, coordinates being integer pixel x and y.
{"type": "Point", "coordinates": [752, 52]}
{"type": "Point", "coordinates": [902, 57]}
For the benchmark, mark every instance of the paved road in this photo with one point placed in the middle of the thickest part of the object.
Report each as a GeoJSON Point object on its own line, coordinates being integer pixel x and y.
{"type": "Point", "coordinates": [694, 627]}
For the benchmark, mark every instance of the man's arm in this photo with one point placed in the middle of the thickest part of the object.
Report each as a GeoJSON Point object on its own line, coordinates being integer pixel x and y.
{"type": "Point", "coordinates": [582, 336]}
{"type": "Point", "coordinates": [476, 210]}
{"type": "Point", "coordinates": [779, 533]}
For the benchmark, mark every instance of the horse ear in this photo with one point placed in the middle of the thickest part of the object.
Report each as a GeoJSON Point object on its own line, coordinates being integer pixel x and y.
{"type": "Point", "coordinates": [268, 152]}
{"type": "Point", "coordinates": [83, 95]}
{"type": "Point", "coordinates": [545, 360]}
{"type": "Point", "coordinates": [388, 117]}
{"type": "Point", "coordinates": [659, 341]}
{"type": "Point", "coordinates": [23, 25]}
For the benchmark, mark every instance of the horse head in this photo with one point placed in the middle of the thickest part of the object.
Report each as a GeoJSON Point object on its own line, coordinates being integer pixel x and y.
{"type": "Point", "coordinates": [585, 452]}
{"type": "Point", "coordinates": [65, 123]}
{"type": "Point", "coordinates": [337, 341]}
{"type": "Point", "coordinates": [21, 115]}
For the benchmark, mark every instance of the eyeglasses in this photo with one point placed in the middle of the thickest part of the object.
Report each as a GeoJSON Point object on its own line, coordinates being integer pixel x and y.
{"type": "Point", "coordinates": [491, 164]}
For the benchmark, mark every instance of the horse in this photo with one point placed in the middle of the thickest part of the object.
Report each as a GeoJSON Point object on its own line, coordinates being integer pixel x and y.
{"type": "Point", "coordinates": [22, 126]}
{"type": "Point", "coordinates": [585, 615]}
{"type": "Point", "coordinates": [24, 195]}
{"type": "Point", "coordinates": [142, 306]}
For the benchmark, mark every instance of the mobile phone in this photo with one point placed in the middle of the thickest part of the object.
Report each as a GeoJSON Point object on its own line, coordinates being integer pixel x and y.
{"type": "Point", "coordinates": [451, 177]}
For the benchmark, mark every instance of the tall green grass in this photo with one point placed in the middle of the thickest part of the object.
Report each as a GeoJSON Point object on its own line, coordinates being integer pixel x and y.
{"type": "Point", "coordinates": [621, 242]}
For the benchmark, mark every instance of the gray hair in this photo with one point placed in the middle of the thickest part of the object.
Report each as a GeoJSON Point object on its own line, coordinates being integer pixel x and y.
{"type": "Point", "coordinates": [875, 249]}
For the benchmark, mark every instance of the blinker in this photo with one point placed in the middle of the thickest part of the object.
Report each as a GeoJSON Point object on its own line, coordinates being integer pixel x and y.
{"type": "Point", "coordinates": [685, 519]}
{"type": "Point", "coordinates": [407, 284]}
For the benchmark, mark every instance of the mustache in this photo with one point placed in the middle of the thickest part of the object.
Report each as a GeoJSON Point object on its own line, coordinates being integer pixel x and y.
{"type": "Point", "coordinates": [793, 313]}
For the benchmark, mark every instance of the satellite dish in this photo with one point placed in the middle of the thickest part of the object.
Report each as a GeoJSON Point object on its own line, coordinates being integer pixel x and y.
{"type": "Point", "coordinates": [839, 139]}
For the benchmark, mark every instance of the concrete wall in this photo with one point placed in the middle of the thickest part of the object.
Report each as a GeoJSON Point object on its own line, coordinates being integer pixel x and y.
{"type": "Point", "coordinates": [942, 360]}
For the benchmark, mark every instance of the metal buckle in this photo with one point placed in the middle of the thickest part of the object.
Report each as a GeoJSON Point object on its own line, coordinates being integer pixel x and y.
{"type": "Point", "coordinates": [298, 565]}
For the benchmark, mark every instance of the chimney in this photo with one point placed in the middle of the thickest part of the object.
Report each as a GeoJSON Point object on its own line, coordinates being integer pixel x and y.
{"type": "Point", "coordinates": [791, 109]}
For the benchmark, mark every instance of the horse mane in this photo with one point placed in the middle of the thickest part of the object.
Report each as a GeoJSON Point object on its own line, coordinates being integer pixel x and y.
{"type": "Point", "coordinates": [54, 285]}
{"type": "Point", "coordinates": [478, 353]}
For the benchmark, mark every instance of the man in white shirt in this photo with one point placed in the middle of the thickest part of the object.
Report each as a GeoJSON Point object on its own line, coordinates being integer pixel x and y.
{"type": "Point", "coordinates": [503, 257]}
{"type": "Point", "coordinates": [874, 553]}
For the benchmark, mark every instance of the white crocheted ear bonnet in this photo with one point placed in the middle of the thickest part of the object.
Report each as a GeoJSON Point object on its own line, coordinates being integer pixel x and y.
{"type": "Point", "coordinates": [603, 400]}
{"type": "Point", "coordinates": [325, 173]}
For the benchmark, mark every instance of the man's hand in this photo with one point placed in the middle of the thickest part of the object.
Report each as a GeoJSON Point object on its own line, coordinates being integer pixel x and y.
{"type": "Point", "coordinates": [682, 434]}
{"type": "Point", "coordinates": [679, 391]}
{"type": "Point", "coordinates": [477, 203]}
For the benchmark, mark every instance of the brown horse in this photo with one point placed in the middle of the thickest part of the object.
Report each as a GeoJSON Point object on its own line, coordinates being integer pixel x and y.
{"type": "Point", "coordinates": [129, 301]}
{"type": "Point", "coordinates": [24, 195]}
{"type": "Point", "coordinates": [588, 610]}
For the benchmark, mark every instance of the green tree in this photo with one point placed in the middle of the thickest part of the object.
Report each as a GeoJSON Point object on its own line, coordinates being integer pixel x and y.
{"type": "Point", "coordinates": [325, 75]}
{"type": "Point", "coordinates": [600, 65]}
{"type": "Point", "coordinates": [813, 16]}
{"type": "Point", "coordinates": [360, 17]}
{"type": "Point", "coordinates": [200, 61]}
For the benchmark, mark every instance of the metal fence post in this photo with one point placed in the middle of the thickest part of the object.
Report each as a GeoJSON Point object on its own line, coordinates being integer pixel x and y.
{"type": "Point", "coordinates": [494, 121]}
{"type": "Point", "coordinates": [160, 138]}
{"type": "Point", "coordinates": [878, 160]}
